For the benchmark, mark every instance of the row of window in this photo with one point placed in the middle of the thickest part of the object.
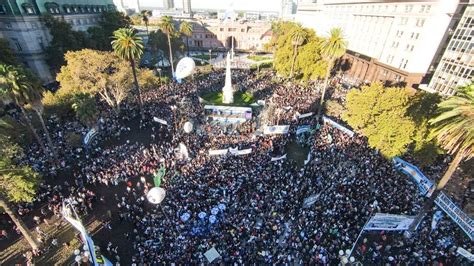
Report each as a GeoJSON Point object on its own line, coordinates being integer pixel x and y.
{"type": "Point", "coordinates": [424, 9]}
{"type": "Point", "coordinates": [231, 29]}
{"type": "Point", "coordinates": [54, 9]}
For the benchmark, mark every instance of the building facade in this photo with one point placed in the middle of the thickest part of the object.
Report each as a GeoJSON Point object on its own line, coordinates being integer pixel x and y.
{"type": "Point", "coordinates": [168, 4]}
{"type": "Point", "coordinates": [288, 8]}
{"type": "Point", "coordinates": [395, 41]}
{"type": "Point", "coordinates": [187, 11]}
{"type": "Point", "coordinates": [249, 36]}
{"type": "Point", "coordinates": [456, 67]}
{"type": "Point", "coordinates": [21, 25]}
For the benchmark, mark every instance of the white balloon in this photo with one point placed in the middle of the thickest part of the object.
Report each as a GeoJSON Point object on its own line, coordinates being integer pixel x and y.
{"type": "Point", "coordinates": [156, 195]}
{"type": "Point", "coordinates": [188, 127]}
{"type": "Point", "coordinates": [185, 67]}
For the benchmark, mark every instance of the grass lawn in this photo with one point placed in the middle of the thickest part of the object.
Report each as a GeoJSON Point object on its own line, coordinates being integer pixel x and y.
{"type": "Point", "coordinates": [258, 58]}
{"type": "Point", "coordinates": [240, 98]}
{"type": "Point", "coordinates": [204, 56]}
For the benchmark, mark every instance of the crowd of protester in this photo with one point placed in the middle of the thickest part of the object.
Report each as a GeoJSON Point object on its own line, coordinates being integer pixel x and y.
{"type": "Point", "coordinates": [256, 205]}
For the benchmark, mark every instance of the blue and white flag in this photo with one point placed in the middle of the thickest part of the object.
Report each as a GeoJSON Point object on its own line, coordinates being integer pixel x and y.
{"type": "Point", "coordinates": [437, 216]}
{"type": "Point", "coordinates": [302, 129]}
{"type": "Point", "coordinates": [425, 185]}
{"type": "Point", "coordinates": [457, 214]}
{"type": "Point", "coordinates": [89, 136]}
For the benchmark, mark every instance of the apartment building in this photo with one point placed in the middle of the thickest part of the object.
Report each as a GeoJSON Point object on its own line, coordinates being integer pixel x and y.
{"type": "Point", "coordinates": [395, 41]}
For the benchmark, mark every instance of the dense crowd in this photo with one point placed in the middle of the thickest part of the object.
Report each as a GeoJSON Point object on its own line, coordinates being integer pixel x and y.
{"type": "Point", "coordinates": [247, 207]}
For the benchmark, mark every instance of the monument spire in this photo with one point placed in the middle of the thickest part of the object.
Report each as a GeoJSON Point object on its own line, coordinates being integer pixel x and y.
{"type": "Point", "coordinates": [227, 91]}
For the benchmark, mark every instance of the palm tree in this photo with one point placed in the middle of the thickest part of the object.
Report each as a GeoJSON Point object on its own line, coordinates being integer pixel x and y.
{"type": "Point", "coordinates": [128, 46]}
{"type": "Point", "coordinates": [145, 15]}
{"type": "Point", "coordinates": [16, 88]}
{"type": "Point", "coordinates": [186, 29]}
{"type": "Point", "coordinates": [4, 204]}
{"type": "Point", "coordinates": [453, 128]}
{"type": "Point", "coordinates": [332, 48]}
{"type": "Point", "coordinates": [167, 26]}
{"type": "Point", "coordinates": [297, 39]}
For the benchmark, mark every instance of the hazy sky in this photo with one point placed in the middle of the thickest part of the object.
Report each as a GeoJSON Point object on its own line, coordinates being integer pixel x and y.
{"type": "Point", "coordinates": [262, 5]}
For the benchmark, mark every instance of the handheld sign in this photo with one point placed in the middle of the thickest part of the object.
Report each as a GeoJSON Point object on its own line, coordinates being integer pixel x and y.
{"type": "Point", "coordinates": [185, 67]}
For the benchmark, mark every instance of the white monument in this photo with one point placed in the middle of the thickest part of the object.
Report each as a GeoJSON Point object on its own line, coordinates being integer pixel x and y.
{"type": "Point", "coordinates": [227, 91]}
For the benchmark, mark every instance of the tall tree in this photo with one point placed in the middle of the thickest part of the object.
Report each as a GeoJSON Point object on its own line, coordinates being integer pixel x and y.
{"type": "Point", "coordinates": [99, 36]}
{"type": "Point", "coordinates": [332, 48]}
{"type": "Point", "coordinates": [167, 26]}
{"type": "Point", "coordinates": [7, 56]}
{"type": "Point", "coordinates": [298, 36]}
{"type": "Point", "coordinates": [86, 108]}
{"type": "Point", "coordinates": [15, 87]}
{"type": "Point", "coordinates": [380, 114]}
{"type": "Point", "coordinates": [95, 72]}
{"type": "Point", "coordinates": [129, 47]}
{"type": "Point", "coordinates": [17, 184]}
{"type": "Point", "coordinates": [186, 29]}
{"type": "Point", "coordinates": [145, 15]}
{"type": "Point", "coordinates": [453, 128]}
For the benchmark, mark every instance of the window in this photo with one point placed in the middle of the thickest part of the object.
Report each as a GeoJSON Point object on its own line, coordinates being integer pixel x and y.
{"type": "Point", "coordinates": [221, 29]}
{"type": "Point", "coordinates": [28, 8]}
{"type": "Point", "coordinates": [17, 45]}
{"type": "Point", "coordinates": [408, 8]}
{"type": "Point", "coordinates": [242, 30]}
{"type": "Point", "coordinates": [428, 9]}
{"type": "Point", "coordinates": [399, 33]}
{"type": "Point", "coordinates": [3, 10]}
{"type": "Point", "coordinates": [403, 21]}
{"type": "Point", "coordinates": [422, 9]}
{"type": "Point", "coordinates": [420, 22]}
{"type": "Point", "coordinates": [41, 43]}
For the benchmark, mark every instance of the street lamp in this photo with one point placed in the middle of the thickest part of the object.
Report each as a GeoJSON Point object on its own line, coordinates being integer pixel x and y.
{"type": "Point", "coordinates": [159, 73]}
{"type": "Point", "coordinates": [210, 56]}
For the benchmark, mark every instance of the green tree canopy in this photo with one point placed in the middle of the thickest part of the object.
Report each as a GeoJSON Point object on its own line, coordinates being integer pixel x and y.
{"type": "Point", "coordinates": [89, 71]}
{"type": "Point", "coordinates": [380, 114]}
{"type": "Point", "coordinates": [7, 56]}
{"type": "Point", "coordinates": [85, 106]}
{"type": "Point", "coordinates": [99, 36]}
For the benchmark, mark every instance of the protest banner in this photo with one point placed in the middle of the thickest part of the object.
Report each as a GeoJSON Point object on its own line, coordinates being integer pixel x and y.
{"type": "Point", "coordinates": [302, 129]}
{"type": "Point", "coordinates": [389, 222]}
{"type": "Point", "coordinates": [461, 218]}
{"type": "Point", "coordinates": [425, 185]}
{"type": "Point", "coordinates": [466, 254]}
{"type": "Point", "coordinates": [310, 200]}
{"type": "Point", "coordinates": [338, 126]}
{"type": "Point", "coordinates": [89, 136]}
{"type": "Point", "coordinates": [305, 115]}
{"type": "Point", "coordinates": [161, 121]}
{"type": "Point", "coordinates": [268, 130]}
{"type": "Point", "coordinates": [218, 152]}
{"type": "Point", "coordinates": [274, 159]}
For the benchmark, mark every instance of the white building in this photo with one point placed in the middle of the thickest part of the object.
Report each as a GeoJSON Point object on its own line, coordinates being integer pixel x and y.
{"type": "Point", "coordinates": [456, 67]}
{"type": "Point", "coordinates": [168, 4]}
{"type": "Point", "coordinates": [288, 8]}
{"type": "Point", "coordinates": [388, 40]}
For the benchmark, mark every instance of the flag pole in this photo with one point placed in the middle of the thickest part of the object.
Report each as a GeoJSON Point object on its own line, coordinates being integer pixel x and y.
{"type": "Point", "coordinates": [360, 234]}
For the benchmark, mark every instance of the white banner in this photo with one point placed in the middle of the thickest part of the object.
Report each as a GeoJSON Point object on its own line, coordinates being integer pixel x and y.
{"type": "Point", "coordinates": [278, 158]}
{"type": "Point", "coordinates": [468, 255]}
{"type": "Point", "coordinates": [233, 151]}
{"type": "Point", "coordinates": [276, 130]}
{"type": "Point", "coordinates": [243, 152]}
{"type": "Point", "coordinates": [218, 152]}
{"type": "Point", "coordinates": [302, 129]}
{"type": "Point", "coordinates": [461, 218]}
{"type": "Point", "coordinates": [338, 126]}
{"type": "Point", "coordinates": [308, 158]}
{"type": "Point", "coordinates": [161, 121]}
{"type": "Point", "coordinates": [310, 200]}
{"type": "Point", "coordinates": [389, 222]}
{"type": "Point", "coordinates": [90, 135]}
{"type": "Point", "coordinates": [305, 115]}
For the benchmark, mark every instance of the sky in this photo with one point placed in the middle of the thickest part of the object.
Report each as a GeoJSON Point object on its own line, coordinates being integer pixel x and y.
{"type": "Point", "coordinates": [255, 5]}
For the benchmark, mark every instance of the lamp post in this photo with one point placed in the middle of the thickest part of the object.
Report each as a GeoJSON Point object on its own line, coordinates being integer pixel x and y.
{"type": "Point", "coordinates": [159, 73]}
{"type": "Point", "coordinates": [210, 56]}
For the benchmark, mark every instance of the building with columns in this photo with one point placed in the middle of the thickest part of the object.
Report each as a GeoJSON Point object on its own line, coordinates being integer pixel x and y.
{"type": "Point", "coordinates": [21, 25]}
{"type": "Point", "coordinates": [395, 41]}
{"type": "Point", "coordinates": [168, 4]}
{"type": "Point", "coordinates": [249, 36]}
